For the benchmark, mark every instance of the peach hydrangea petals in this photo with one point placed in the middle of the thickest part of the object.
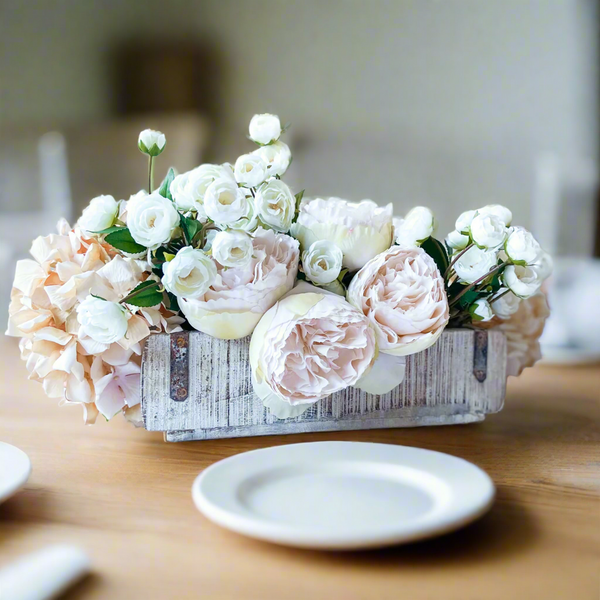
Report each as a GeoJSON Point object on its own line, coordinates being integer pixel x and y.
{"type": "Point", "coordinates": [308, 346]}
{"type": "Point", "coordinates": [402, 293]}
{"type": "Point", "coordinates": [238, 298]}
{"type": "Point", "coordinates": [523, 330]}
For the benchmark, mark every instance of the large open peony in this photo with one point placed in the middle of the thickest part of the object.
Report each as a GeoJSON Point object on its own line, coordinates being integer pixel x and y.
{"type": "Point", "coordinates": [240, 296]}
{"type": "Point", "coordinates": [360, 230]}
{"type": "Point", "coordinates": [308, 346]}
{"type": "Point", "coordinates": [402, 293]}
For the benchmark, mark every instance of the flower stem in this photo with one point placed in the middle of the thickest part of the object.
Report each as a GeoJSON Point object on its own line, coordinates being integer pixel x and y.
{"type": "Point", "coordinates": [150, 173]}
{"type": "Point", "coordinates": [456, 258]}
{"type": "Point", "coordinates": [478, 281]}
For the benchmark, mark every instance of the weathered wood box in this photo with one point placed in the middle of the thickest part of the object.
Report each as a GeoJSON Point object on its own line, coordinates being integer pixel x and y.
{"type": "Point", "coordinates": [196, 387]}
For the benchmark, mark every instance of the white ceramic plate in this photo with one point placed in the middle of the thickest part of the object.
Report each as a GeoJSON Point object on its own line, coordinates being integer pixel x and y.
{"type": "Point", "coordinates": [342, 495]}
{"type": "Point", "coordinates": [15, 468]}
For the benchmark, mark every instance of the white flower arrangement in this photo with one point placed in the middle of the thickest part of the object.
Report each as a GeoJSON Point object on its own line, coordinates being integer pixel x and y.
{"type": "Point", "coordinates": [334, 293]}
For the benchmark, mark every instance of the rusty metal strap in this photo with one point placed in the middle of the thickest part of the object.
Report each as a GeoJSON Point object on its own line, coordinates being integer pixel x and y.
{"type": "Point", "coordinates": [180, 343]}
{"type": "Point", "coordinates": [480, 355]}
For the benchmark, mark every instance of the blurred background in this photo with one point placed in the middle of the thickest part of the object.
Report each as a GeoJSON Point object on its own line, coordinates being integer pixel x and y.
{"type": "Point", "coordinates": [451, 104]}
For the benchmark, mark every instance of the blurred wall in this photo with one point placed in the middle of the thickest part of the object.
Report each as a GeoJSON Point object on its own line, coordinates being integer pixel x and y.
{"type": "Point", "coordinates": [504, 80]}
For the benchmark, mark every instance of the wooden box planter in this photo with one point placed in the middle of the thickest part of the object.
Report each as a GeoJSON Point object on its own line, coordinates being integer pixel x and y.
{"type": "Point", "coordinates": [196, 387]}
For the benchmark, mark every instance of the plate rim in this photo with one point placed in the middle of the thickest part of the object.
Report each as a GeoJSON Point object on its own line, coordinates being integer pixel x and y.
{"type": "Point", "coordinates": [282, 534]}
{"type": "Point", "coordinates": [12, 489]}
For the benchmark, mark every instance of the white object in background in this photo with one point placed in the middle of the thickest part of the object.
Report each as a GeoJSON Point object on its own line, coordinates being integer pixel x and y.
{"type": "Point", "coordinates": [342, 495]}
{"type": "Point", "coordinates": [15, 468]}
{"type": "Point", "coordinates": [44, 574]}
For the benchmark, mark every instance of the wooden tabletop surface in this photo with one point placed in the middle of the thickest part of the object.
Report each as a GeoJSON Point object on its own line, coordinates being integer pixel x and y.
{"type": "Point", "coordinates": [124, 496]}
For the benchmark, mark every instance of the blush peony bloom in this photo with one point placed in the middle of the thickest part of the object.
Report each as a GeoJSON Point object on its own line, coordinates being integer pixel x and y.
{"type": "Point", "coordinates": [239, 296]}
{"type": "Point", "coordinates": [523, 330]}
{"type": "Point", "coordinates": [360, 230]}
{"type": "Point", "coordinates": [308, 346]}
{"type": "Point", "coordinates": [402, 293]}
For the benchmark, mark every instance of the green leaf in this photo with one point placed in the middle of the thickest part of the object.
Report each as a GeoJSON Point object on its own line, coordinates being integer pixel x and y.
{"type": "Point", "coordinates": [123, 240]}
{"type": "Point", "coordinates": [145, 294]}
{"type": "Point", "coordinates": [109, 230]}
{"type": "Point", "coordinates": [190, 228]}
{"type": "Point", "coordinates": [165, 187]}
{"type": "Point", "coordinates": [436, 250]}
{"type": "Point", "coordinates": [98, 297]}
{"type": "Point", "coordinates": [298, 197]}
{"type": "Point", "coordinates": [468, 298]}
{"type": "Point", "coordinates": [170, 301]}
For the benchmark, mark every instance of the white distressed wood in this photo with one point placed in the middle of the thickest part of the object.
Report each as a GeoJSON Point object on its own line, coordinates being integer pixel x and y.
{"type": "Point", "coordinates": [439, 388]}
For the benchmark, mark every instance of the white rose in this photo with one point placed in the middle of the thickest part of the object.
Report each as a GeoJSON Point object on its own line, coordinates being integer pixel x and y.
{"type": "Point", "coordinates": [188, 189]}
{"type": "Point", "coordinates": [481, 311]}
{"type": "Point", "coordinates": [503, 213]}
{"type": "Point", "coordinates": [100, 214]}
{"type": "Point", "coordinates": [277, 156]}
{"type": "Point", "coordinates": [232, 248]}
{"type": "Point", "coordinates": [361, 230]}
{"type": "Point", "coordinates": [151, 219]}
{"type": "Point", "coordinates": [521, 281]}
{"type": "Point", "coordinates": [463, 223]}
{"type": "Point", "coordinates": [265, 128]}
{"type": "Point", "coordinates": [238, 298]}
{"type": "Point", "coordinates": [474, 264]}
{"type": "Point", "coordinates": [189, 274]}
{"type": "Point", "coordinates": [250, 170]}
{"type": "Point", "coordinates": [488, 231]}
{"type": "Point", "coordinates": [418, 225]}
{"type": "Point", "coordinates": [275, 205]}
{"type": "Point", "coordinates": [151, 142]}
{"type": "Point", "coordinates": [322, 262]}
{"type": "Point", "coordinates": [457, 241]}
{"type": "Point", "coordinates": [506, 305]}
{"type": "Point", "coordinates": [105, 322]}
{"type": "Point", "coordinates": [225, 202]}
{"type": "Point", "coordinates": [521, 247]}
{"type": "Point", "coordinates": [249, 222]}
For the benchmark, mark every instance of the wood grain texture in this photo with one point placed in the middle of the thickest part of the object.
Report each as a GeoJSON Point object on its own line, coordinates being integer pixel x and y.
{"type": "Point", "coordinates": [124, 496]}
{"type": "Point", "coordinates": [446, 384]}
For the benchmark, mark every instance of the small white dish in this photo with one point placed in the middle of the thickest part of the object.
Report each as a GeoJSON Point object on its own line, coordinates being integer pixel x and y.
{"type": "Point", "coordinates": [15, 468]}
{"type": "Point", "coordinates": [342, 495]}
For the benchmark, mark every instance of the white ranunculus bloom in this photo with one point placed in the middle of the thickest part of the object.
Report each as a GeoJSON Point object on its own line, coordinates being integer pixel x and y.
{"type": "Point", "coordinates": [250, 170]}
{"type": "Point", "coordinates": [481, 311]}
{"type": "Point", "coordinates": [151, 219]}
{"type": "Point", "coordinates": [224, 202]}
{"type": "Point", "coordinates": [232, 248]}
{"type": "Point", "coordinates": [308, 346]}
{"type": "Point", "coordinates": [418, 225]}
{"type": "Point", "coordinates": [457, 241]}
{"type": "Point", "coordinates": [322, 262]}
{"type": "Point", "coordinates": [506, 305]}
{"type": "Point", "coordinates": [265, 128]}
{"type": "Point", "coordinates": [544, 265]}
{"type": "Point", "coordinates": [361, 230]}
{"type": "Point", "coordinates": [521, 247]}
{"type": "Point", "coordinates": [503, 213]}
{"type": "Point", "coordinates": [275, 205]}
{"type": "Point", "coordinates": [188, 189]}
{"type": "Point", "coordinates": [474, 264]}
{"type": "Point", "coordinates": [99, 214]}
{"type": "Point", "coordinates": [488, 231]}
{"type": "Point", "coordinates": [463, 223]}
{"type": "Point", "coordinates": [401, 292]}
{"type": "Point", "coordinates": [277, 156]}
{"type": "Point", "coordinates": [249, 222]}
{"type": "Point", "coordinates": [151, 142]}
{"type": "Point", "coordinates": [238, 298]}
{"type": "Point", "coordinates": [189, 274]}
{"type": "Point", "coordinates": [102, 321]}
{"type": "Point", "coordinates": [521, 281]}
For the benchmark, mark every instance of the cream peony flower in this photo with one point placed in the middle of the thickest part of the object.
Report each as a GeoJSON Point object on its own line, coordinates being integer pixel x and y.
{"type": "Point", "coordinates": [250, 170]}
{"type": "Point", "coordinates": [361, 230]}
{"type": "Point", "coordinates": [275, 205]}
{"type": "Point", "coordinates": [277, 156]}
{"type": "Point", "coordinates": [523, 330]}
{"type": "Point", "coordinates": [224, 202]}
{"type": "Point", "coordinates": [402, 293]}
{"type": "Point", "coordinates": [308, 346]}
{"type": "Point", "coordinates": [151, 219]}
{"type": "Point", "coordinates": [265, 128]}
{"type": "Point", "coordinates": [239, 297]}
{"type": "Point", "coordinates": [189, 274]}
{"type": "Point", "coordinates": [99, 214]}
{"type": "Point", "coordinates": [232, 248]}
{"type": "Point", "coordinates": [322, 262]}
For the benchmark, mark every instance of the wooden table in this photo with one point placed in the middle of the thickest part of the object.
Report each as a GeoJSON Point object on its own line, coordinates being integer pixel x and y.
{"type": "Point", "coordinates": [124, 496]}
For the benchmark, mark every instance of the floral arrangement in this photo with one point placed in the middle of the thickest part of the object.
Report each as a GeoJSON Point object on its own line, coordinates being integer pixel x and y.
{"type": "Point", "coordinates": [334, 293]}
